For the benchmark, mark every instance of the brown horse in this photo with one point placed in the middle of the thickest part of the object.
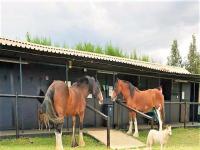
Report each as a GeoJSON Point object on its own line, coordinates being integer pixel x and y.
{"type": "Point", "coordinates": [143, 101]}
{"type": "Point", "coordinates": [61, 100]}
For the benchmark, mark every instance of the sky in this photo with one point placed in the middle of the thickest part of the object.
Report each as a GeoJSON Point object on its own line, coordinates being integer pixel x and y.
{"type": "Point", "coordinates": [147, 26]}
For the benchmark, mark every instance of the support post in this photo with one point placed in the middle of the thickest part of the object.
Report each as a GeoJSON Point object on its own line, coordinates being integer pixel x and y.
{"type": "Point", "coordinates": [185, 114]}
{"type": "Point", "coordinates": [118, 116]}
{"type": "Point", "coordinates": [170, 100]}
{"type": "Point", "coordinates": [20, 71]}
{"type": "Point", "coordinates": [159, 81]}
{"type": "Point", "coordinates": [108, 132]}
{"type": "Point", "coordinates": [193, 106]}
{"type": "Point", "coordinates": [66, 78]}
{"type": "Point", "coordinates": [66, 73]}
{"type": "Point", "coordinates": [16, 116]}
{"type": "Point", "coordinates": [113, 103]}
{"type": "Point", "coordinates": [95, 106]}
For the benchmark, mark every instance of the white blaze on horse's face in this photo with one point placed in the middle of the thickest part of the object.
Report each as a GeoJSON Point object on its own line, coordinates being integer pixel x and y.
{"type": "Point", "coordinates": [100, 97]}
{"type": "Point", "coordinates": [114, 96]}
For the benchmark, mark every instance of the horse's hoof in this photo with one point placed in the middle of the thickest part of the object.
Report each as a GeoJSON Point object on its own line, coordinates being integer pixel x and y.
{"type": "Point", "coordinates": [129, 132]}
{"type": "Point", "coordinates": [59, 148]}
{"type": "Point", "coordinates": [136, 135]}
{"type": "Point", "coordinates": [74, 144]}
{"type": "Point", "coordinates": [82, 143]}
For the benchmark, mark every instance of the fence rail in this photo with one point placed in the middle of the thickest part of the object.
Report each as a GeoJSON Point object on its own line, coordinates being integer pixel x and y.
{"type": "Point", "coordinates": [17, 96]}
{"type": "Point", "coordinates": [185, 103]}
{"type": "Point", "coordinates": [107, 118]}
{"type": "Point", "coordinates": [136, 111]}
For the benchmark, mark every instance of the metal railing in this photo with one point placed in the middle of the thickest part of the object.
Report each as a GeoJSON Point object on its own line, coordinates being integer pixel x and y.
{"type": "Point", "coordinates": [136, 111]}
{"type": "Point", "coordinates": [185, 103]}
{"type": "Point", "coordinates": [16, 96]}
{"type": "Point", "coordinates": [107, 118]}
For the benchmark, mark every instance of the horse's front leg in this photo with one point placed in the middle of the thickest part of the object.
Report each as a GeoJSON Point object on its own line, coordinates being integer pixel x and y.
{"type": "Point", "coordinates": [58, 134]}
{"type": "Point", "coordinates": [74, 143]}
{"type": "Point", "coordinates": [81, 141]}
{"type": "Point", "coordinates": [158, 111]}
{"type": "Point", "coordinates": [161, 147]}
{"type": "Point", "coordinates": [130, 129]}
{"type": "Point", "coordinates": [39, 125]}
{"type": "Point", "coordinates": [49, 125]}
{"type": "Point", "coordinates": [136, 134]}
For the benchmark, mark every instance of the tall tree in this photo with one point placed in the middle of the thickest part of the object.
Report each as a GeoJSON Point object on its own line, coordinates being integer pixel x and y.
{"type": "Point", "coordinates": [193, 62]}
{"type": "Point", "coordinates": [174, 59]}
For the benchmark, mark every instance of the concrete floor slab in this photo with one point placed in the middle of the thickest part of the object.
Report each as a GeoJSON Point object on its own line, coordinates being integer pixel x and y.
{"type": "Point", "coordinates": [118, 139]}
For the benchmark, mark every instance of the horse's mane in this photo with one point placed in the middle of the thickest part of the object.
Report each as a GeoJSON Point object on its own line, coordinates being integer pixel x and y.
{"type": "Point", "coordinates": [132, 88]}
{"type": "Point", "coordinates": [85, 80]}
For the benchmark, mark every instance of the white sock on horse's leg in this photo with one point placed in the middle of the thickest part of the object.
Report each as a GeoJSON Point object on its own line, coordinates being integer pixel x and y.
{"type": "Point", "coordinates": [81, 141]}
{"type": "Point", "coordinates": [39, 125]}
{"type": "Point", "coordinates": [130, 127]}
{"type": "Point", "coordinates": [159, 118]}
{"type": "Point", "coordinates": [136, 128]}
{"type": "Point", "coordinates": [59, 145]}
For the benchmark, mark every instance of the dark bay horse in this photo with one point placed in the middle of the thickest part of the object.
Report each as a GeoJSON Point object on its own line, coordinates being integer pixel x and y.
{"type": "Point", "coordinates": [143, 101]}
{"type": "Point", "coordinates": [61, 100]}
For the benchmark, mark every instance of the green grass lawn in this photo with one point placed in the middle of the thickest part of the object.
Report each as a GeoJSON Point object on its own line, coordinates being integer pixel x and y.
{"type": "Point", "coordinates": [181, 139]}
{"type": "Point", "coordinates": [47, 143]}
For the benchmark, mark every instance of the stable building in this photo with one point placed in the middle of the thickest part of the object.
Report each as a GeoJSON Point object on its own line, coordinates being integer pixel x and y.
{"type": "Point", "coordinates": [28, 69]}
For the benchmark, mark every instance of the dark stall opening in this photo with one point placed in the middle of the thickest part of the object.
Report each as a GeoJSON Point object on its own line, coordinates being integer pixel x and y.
{"type": "Point", "coordinates": [166, 85]}
{"type": "Point", "coordinates": [194, 98]}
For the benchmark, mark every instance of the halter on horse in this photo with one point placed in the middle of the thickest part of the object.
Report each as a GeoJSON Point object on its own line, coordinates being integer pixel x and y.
{"type": "Point", "coordinates": [61, 100]}
{"type": "Point", "coordinates": [143, 101]}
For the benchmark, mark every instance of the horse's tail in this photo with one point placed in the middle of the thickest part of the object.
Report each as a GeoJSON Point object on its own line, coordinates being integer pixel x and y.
{"type": "Point", "coordinates": [48, 108]}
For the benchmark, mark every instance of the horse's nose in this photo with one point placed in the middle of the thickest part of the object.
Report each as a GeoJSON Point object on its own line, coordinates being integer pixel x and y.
{"type": "Point", "coordinates": [101, 102]}
{"type": "Point", "coordinates": [100, 98]}
{"type": "Point", "coordinates": [113, 99]}
{"type": "Point", "coordinates": [113, 96]}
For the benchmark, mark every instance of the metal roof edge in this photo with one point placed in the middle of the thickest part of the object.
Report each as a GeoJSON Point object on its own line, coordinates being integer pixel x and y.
{"type": "Point", "coordinates": [74, 52]}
